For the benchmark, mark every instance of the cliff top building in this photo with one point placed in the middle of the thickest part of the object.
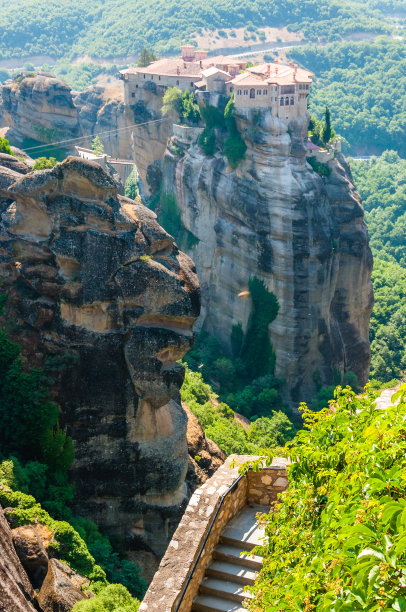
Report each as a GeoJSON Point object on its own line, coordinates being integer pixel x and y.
{"type": "Point", "coordinates": [282, 88]}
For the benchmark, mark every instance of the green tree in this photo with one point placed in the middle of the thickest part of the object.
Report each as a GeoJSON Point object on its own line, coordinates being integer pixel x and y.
{"type": "Point", "coordinates": [5, 146]}
{"type": "Point", "coordinates": [146, 57]}
{"type": "Point", "coordinates": [172, 103]}
{"type": "Point", "coordinates": [327, 132]}
{"type": "Point", "coordinates": [43, 163]}
{"type": "Point", "coordinates": [97, 145]}
{"type": "Point", "coordinates": [131, 184]}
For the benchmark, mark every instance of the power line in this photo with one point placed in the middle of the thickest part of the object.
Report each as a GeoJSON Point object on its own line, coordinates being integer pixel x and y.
{"type": "Point", "coordinates": [134, 125]}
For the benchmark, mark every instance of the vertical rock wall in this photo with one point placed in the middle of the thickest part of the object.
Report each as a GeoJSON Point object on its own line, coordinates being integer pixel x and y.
{"type": "Point", "coordinates": [304, 235]}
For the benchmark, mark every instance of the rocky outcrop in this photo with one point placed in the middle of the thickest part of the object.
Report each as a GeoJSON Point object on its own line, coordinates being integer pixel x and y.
{"type": "Point", "coordinates": [100, 295]}
{"type": "Point", "coordinates": [38, 106]}
{"type": "Point", "coordinates": [16, 592]}
{"type": "Point", "coordinates": [62, 588]}
{"type": "Point", "coordinates": [204, 455]}
{"type": "Point", "coordinates": [31, 544]}
{"type": "Point", "coordinates": [304, 235]}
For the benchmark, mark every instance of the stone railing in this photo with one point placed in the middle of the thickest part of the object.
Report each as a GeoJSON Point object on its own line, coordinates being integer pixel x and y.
{"type": "Point", "coordinates": [186, 134]}
{"type": "Point", "coordinates": [211, 507]}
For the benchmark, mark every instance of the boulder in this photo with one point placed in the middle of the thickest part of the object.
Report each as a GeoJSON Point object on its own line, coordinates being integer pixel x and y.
{"type": "Point", "coordinates": [16, 592]}
{"type": "Point", "coordinates": [31, 543]}
{"type": "Point", "coordinates": [62, 588]}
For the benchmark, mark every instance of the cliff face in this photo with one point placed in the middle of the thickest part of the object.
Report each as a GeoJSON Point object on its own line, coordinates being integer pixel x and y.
{"type": "Point", "coordinates": [304, 235]}
{"type": "Point", "coordinates": [38, 107]}
{"type": "Point", "coordinates": [102, 297]}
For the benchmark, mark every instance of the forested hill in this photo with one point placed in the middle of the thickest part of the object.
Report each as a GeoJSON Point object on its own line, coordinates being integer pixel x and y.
{"type": "Point", "coordinates": [364, 85]}
{"type": "Point", "coordinates": [109, 28]}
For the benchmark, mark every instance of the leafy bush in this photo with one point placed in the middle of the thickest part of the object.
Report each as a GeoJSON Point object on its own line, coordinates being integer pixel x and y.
{"type": "Point", "coordinates": [207, 140]}
{"type": "Point", "coordinates": [180, 106]}
{"type": "Point", "coordinates": [321, 168]}
{"type": "Point", "coordinates": [114, 598]}
{"type": "Point", "coordinates": [217, 420]}
{"type": "Point", "coordinates": [234, 146]}
{"type": "Point", "coordinates": [5, 146]}
{"type": "Point", "coordinates": [43, 163]}
{"type": "Point", "coordinates": [336, 540]}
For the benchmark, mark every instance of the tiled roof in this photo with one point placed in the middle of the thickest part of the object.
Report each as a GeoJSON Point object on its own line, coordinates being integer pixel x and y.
{"type": "Point", "coordinates": [222, 60]}
{"type": "Point", "coordinates": [170, 67]}
{"type": "Point", "coordinates": [282, 74]}
{"type": "Point", "coordinates": [214, 70]}
{"type": "Point", "coordinates": [248, 80]}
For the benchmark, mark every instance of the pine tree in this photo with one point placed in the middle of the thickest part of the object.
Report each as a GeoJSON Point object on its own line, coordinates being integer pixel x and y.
{"type": "Point", "coordinates": [327, 129]}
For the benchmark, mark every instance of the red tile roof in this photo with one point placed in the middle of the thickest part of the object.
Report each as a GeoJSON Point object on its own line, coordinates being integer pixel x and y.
{"type": "Point", "coordinates": [170, 67]}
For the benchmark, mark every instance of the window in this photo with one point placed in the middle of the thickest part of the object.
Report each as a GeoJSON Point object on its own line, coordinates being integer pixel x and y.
{"type": "Point", "coordinates": [159, 78]}
{"type": "Point", "coordinates": [144, 76]}
{"type": "Point", "coordinates": [136, 87]}
{"type": "Point", "coordinates": [238, 92]}
{"type": "Point", "coordinates": [259, 92]}
{"type": "Point", "coordinates": [281, 102]}
{"type": "Point", "coordinates": [307, 87]}
{"type": "Point", "coordinates": [287, 101]}
{"type": "Point", "coordinates": [152, 77]}
{"type": "Point", "coordinates": [245, 92]}
{"type": "Point", "coordinates": [191, 83]}
{"type": "Point", "coordinates": [292, 100]}
{"type": "Point", "coordinates": [133, 94]}
{"type": "Point", "coordinates": [252, 93]}
{"type": "Point", "coordinates": [177, 82]}
{"type": "Point", "coordinates": [265, 92]}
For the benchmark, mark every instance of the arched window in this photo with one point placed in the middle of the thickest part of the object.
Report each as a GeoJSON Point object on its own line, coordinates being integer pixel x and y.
{"type": "Point", "coordinates": [287, 101]}
{"type": "Point", "coordinates": [177, 82]}
{"type": "Point", "coordinates": [292, 101]}
{"type": "Point", "coordinates": [265, 92]}
{"type": "Point", "coordinates": [281, 103]}
{"type": "Point", "coordinates": [252, 93]}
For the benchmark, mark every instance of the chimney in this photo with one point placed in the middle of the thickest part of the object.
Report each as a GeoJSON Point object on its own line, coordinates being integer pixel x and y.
{"type": "Point", "coordinates": [290, 64]}
{"type": "Point", "coordinates": [269, 70]}
{"type": "Point", "coordinates": [275, 60]}
{"type": "Point", "coordinates": [295, 70]}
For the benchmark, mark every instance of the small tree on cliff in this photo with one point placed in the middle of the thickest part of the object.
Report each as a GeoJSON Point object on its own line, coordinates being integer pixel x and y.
{"type": "Point", "coordinates": [97, 146]}
{"type": "Point", "coordinates": [5, 146]}
{"type": "Point", "coordinates": [172, 103]}
{"type": "Point", "coordinates": [327, 131]}
{"type": "Point", "coordinates": [146, 58]}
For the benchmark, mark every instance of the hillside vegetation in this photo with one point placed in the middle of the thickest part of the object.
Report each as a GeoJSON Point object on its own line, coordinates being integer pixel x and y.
{"type": "Point", "coordinates": [381, 182]}
{"type": "Point", "coordinates": [108, 28]}
{"type": "Point", "coordinates": [364, 85]}
{"type": "Point", "coordinates": [337, 542]}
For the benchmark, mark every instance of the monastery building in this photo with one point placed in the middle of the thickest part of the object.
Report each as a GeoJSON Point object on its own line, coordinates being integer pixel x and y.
{"type": "Point", "coordinates": [283, 89]}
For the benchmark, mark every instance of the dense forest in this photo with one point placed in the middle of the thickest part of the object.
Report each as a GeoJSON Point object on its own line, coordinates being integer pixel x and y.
{"type": "Point", "coordinates": [381, 182]}
{"type": "Point", "coordinates": [364, 85]}
{"type": "Point", "coordinates": [109, 28]}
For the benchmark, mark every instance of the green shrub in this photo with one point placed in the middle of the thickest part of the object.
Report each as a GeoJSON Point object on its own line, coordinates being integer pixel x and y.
{"type": "Point", "coordinates": [234, 146]}
{"type": "Point", "coordinates": [113, 598]}
{"type": "Point", "coordinates": [43, 163]}
{"type": "Point", "coordinates": [5, 146]}
{"type": "Point", "coordinates": [337, 538]}
{"type": "Point", "coordinates": [207, 140]}
{"type": "Point", "coordinates": [319, 167]}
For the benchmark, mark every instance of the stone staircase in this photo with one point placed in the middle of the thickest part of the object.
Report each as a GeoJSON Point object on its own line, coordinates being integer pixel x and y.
{"type": "Point", "coordinates": [222, 588]}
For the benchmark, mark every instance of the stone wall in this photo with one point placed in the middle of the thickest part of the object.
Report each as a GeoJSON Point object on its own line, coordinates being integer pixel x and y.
{"type": "Point", "coordinates": [171, 578]}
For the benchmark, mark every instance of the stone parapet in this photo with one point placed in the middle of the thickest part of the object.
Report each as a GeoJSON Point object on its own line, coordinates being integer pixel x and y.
{"type": "Point", "coordinates": [200, 528]}
{"type": "Point", "coordinates": [186, 134]}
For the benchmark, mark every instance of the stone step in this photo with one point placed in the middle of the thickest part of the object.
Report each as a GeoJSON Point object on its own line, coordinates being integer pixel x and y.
{"type": "Point", "coordinates": [224, 589]}
{"type": "Point", "coordinates": [208, 603]}
{"type": "Point", "coordinates": [223, 570]}
{"type": "Point", "coordinates": [225, 552]}
{"type": "Point", "coordinates": [244, 528]}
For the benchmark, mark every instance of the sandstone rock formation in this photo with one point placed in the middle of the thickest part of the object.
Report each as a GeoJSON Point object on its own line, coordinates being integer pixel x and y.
{"type": "Point", "coordinates": [16, 592]}
{"type": "Point", "coordinates": [38, 106]}
{"type": "Point", "coordinates": [62, 588]}
{"type": "Point", "coordinates": [102, 297]}
{"type": "Point", "coordinates": [305, 236]}
{"type": "Point", "coordinates": [31, 543]}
